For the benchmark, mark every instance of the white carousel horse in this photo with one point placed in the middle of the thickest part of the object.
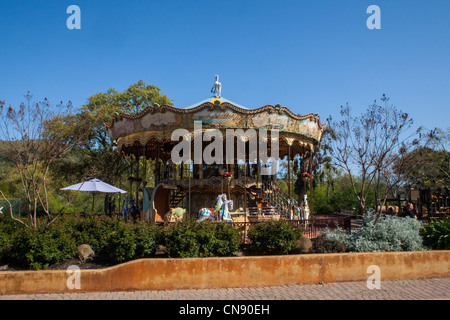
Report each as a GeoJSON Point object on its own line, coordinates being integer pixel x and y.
{"type": "Point", "coordinates": [226, 207]}
{"type": "Point", "coordinates": [221, 212]}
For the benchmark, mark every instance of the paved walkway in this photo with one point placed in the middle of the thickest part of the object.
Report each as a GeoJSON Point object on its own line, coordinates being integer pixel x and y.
{"type": "Point", "coordinates": [423, 289]}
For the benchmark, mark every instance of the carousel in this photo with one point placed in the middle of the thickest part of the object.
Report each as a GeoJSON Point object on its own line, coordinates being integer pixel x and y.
{"type": "Point", "coordinates": [228, 190]}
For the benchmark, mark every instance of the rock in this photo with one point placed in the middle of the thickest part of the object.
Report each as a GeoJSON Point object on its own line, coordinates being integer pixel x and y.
{"type": "Point", "coordinates": [4, 268]}
{"type": "Point", "coordinates": [304, 245]}
{"type": "Point", "coordinates": [85, 252]}
{"type": "Point", "coordinates": [239, 253]}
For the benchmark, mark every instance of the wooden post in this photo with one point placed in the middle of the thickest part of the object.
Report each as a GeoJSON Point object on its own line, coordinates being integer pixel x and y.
{"type": "Point", "coordinates": [157, 165]}
{"type": "Point", "coordinates": [131, 175]}
{"type": "Point", "coordinates": [258, 168]}
{"type": "Point", "coordinates": [189, 173]}
{"type": "Point", "coordinates": [289, 178]}
{"type": "Point", "coordinates": [137, 182]}
{"type": "Point", "coordinates": [245, 199]}
{"type": "Point", "coordinates": [311, 191]}
{"type": "Point", "coordinates": [145, 167]}
{"type": "Point", "coordinates": [120, 195]}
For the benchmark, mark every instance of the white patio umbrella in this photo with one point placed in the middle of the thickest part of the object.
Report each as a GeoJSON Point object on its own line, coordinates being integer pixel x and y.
{"type": "Point", "coordinates": [94, 185]}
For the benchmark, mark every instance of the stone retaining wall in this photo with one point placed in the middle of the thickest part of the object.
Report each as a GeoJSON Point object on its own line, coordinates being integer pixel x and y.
{"type": "Point", "coordinates": [168, 274]}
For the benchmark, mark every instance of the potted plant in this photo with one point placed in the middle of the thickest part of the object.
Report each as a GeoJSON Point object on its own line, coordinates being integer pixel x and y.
{"type": "Point", "coordinates": [306, 176]}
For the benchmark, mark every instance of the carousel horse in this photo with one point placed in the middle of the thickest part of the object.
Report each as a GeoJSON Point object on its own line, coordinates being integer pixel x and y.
{"type": "Point", "coordinates": [218, 206]}
{"type": "Point", "coordinates": [206, 214]}
{"type": "Point", "coordinates": [221, 212]}
{"type": "Point", "coordinates": [227, 205]}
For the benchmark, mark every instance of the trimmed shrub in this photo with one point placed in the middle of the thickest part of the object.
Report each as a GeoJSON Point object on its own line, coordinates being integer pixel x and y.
{"type": "Point", "coordinates": [40, 247]}
{"type": "Point", "coordinates": [389, 233]}
{"type": "Point", "coordinates": [148, 238]}
{"type": "Point", "coordinates": [436, 234]}
{"type": "Point", "coordinates": [190, 239]}
{"type": "Point", "coordinates": [273, 237]}
{"type": "Point", "coordinates": [128, 241]}
{"type": "Point", "coordinates": [48, 244]}
{"type": "Point", "coordinates": [97, 232]}
{"type": "Point", "coordinates": [7, 229]}
{"type": "Point", "coordinates": [322, 244]}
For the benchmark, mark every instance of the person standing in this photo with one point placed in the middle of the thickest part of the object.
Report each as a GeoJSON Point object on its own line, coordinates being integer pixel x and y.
{"type": "Point", "coordinates": [411, 212]}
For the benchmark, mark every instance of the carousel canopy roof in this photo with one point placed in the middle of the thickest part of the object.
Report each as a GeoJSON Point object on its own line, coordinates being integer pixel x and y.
{"type": "Point", "coordinates": [139, 133]}
{"type": "Point", "coordinates": [212, 100]}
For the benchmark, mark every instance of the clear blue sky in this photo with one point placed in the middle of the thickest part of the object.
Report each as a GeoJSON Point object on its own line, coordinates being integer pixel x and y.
{"type": "Point", "coordinates": [311, 56]}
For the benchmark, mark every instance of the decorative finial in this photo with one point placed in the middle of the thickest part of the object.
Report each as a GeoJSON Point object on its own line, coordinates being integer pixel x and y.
{"type": "Point", "coordinates": [217, 88]}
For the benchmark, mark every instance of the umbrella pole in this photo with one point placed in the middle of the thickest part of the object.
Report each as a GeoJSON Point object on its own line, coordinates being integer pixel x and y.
{"type": "Point", "coordinates": [93, 197]}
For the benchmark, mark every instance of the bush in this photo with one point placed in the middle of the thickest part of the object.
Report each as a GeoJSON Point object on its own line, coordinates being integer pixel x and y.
{"type": "Point", "coordinates": [389, 233]}
{"type": "Point", "coordinates": [128, 241]}
{"type": "Point", "coordinates": [148, 238]}
{"type": "Point", "coordinates": [436, 234]}
{"type": "Point", "coordinates": [7, 229]}
{"type": "Point", "coordinates": [50, 243]}
{"type": "Point", "coordinates": [189, 239]}
{"type": "Point", "coordinates": [323, 245]}
{"type": "Point", "coordinates": [273, 237]}
{"type": "Point", "coordinates": [97, 232]}
{"type": "Point", "coordinates": [37, 248]}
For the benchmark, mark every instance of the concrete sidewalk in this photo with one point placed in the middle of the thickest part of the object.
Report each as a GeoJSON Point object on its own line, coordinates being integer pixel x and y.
{"type": "Point", "coordinates": [423, 289]}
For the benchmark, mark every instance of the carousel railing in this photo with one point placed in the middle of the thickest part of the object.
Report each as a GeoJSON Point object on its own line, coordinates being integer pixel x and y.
{"type": "Point", "coordinates": [215, 182]}
{"type": "Point", "coordinates": [310, 227]}
{"type": "Point", "coordinates": [277, 198]}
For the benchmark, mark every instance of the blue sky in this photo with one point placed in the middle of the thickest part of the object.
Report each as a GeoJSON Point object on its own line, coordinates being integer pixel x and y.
{"type": "Point", "coordinates": [310, 56]}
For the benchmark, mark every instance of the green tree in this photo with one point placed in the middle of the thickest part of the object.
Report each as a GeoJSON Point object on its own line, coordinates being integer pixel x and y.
{"type": "Point", "coordinates": [427, 169]}
{"type": "Point", "coordinates": [36, 135]}
{"type": "Point", "coordinates": [98, 156]}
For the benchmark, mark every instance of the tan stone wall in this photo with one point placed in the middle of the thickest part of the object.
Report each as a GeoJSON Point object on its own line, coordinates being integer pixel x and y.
{"type": "Point", "coordinates": [167, 274]}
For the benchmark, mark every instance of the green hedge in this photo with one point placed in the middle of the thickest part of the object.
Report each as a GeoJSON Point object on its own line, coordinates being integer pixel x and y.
{"type": "Point", "coordinates": [273, 237]}
{"type": "Point", "coordinates": [38, 248]}
{"type": "Point", "coordinates": [190, 239]}
{"type": "Point", "coordinates": [111, 237]}
{"type": "Point", "coordinates": [123, 241]}
{"type": "Point", "coordinates": [50, 243]}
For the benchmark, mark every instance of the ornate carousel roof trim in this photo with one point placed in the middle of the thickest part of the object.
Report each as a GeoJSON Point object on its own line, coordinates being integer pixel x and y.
{"type": "Point", "coordinates": [208, 104]}
{"type": "Point", "coordinates": [158, 122]}
{"type": "Point", "coordinates": [213, 100]}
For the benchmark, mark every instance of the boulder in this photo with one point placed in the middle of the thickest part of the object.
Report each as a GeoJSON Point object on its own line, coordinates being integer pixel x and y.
{"type": "Point", "coordinates": [304, 245]}
{"type": "Point", "coordinates": [85, 252]}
